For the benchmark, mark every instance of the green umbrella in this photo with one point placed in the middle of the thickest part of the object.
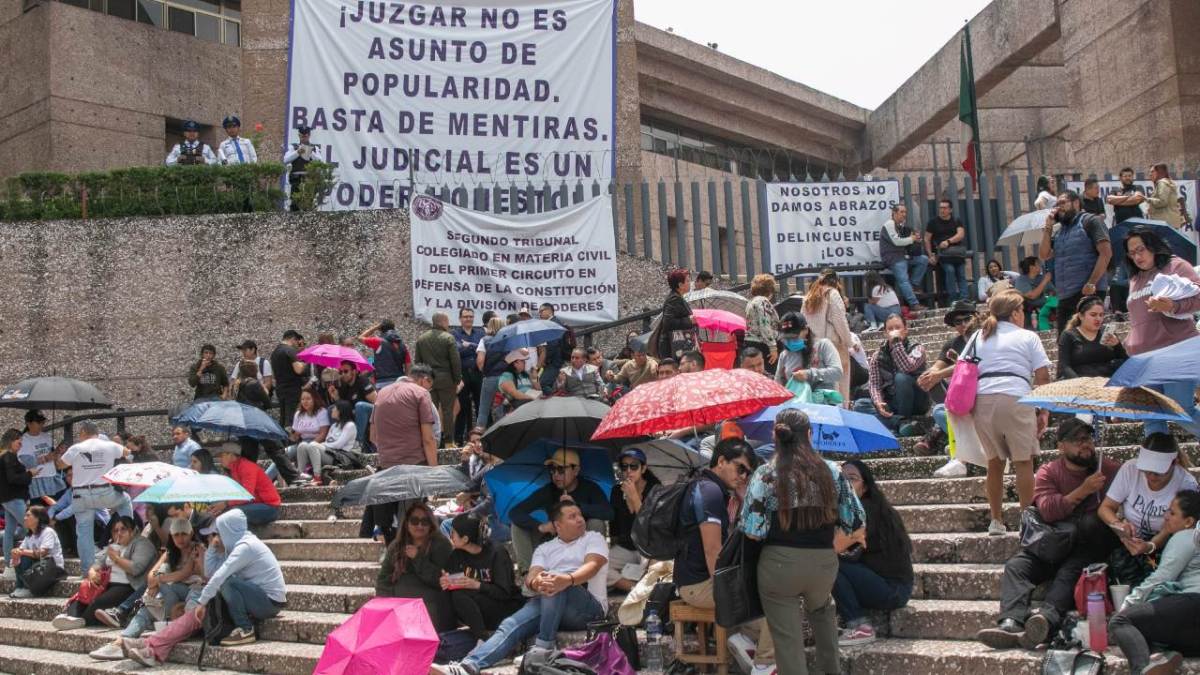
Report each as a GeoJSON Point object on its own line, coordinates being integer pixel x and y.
{"type": "Point", "coordinates": [203, 488]}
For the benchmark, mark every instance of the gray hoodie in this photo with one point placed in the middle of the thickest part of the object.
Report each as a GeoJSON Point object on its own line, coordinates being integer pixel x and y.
{"type": "Point", "coordinates": [245, 557]}
{"type": "Point", "coordinates": [824, 372]}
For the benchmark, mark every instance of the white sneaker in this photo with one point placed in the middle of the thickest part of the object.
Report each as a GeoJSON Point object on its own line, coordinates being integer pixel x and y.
{"type": "Point", "coordinates": [764, 670]}
{"type": "Point", "coordinates": [21, 593]}
{"type": "Point", "coordinates": [66, 622]}
{"type": "Point", "coordinates": [109, 652]}
{"type": "Point", "coordinates": [9, 574]}
{"type": "Point", "coordinates": [743, 649]}
{"type": "Point", "coordinates": [952, 469]}
{"type": "Point", "coordinates": [997, 529]}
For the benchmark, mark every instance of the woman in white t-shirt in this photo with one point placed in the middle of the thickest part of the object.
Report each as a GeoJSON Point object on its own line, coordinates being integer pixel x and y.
{"type": "Point", "coordinates": [342, 435]}
{"type": "Point", "coordinates": [36, 450]}
{"type": "Point", "coordinates": [1143, 490]}
{"type": "Point", "coordinates": [40, 542]}
{"type": "Point", "coordinates": [882, 301]}
{"type": "Point", "coordinates": [1010, 358]}
{"type": "Point", "coordinates": [1047, 190]}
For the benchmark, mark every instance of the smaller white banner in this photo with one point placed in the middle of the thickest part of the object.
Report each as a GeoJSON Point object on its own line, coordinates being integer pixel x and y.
{"type": "Point", "coordinates": [1187, 191]}
{"type": "Point", "coordinates": [463, 258]}
{"type": "Point", "coordinates": [820, 224]}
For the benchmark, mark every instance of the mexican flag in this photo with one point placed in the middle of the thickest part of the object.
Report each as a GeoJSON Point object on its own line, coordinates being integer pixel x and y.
{"type": "Point", "coordinates": [968, 110]}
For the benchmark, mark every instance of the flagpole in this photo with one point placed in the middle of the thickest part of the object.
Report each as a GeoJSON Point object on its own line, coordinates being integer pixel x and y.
{"type": "Point", "coordinates": [974, 100]}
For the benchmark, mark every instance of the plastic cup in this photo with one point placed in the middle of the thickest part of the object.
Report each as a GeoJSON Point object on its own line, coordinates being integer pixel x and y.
{"type": "Point", "coordinates": [1119, 592]}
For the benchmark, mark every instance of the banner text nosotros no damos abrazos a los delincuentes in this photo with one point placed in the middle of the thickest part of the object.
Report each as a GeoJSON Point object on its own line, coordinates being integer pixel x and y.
{"type": "Point", "coordinates": [828, 224]}
{"type": "Point", "coordinates": [474, 93]}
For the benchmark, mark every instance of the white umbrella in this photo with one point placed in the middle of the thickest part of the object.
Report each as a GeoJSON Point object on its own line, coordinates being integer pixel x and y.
{"type": "Point", "coordinates": [204, 488]}
{"type": "Point", "coordinates": [1025, 230]}
{"type": "Point", "coordinates": [144, 474]}
{"type": "Point", "coordinates": [712, 298]}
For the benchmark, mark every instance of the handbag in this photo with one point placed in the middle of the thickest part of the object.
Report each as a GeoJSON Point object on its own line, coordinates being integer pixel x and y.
{"type": "Point", "coordinates": [1072, 662]}
{"type": "Point", "coordinates": [735, 583]}
{"type": "Point", "coordinates": [42, 576]}
{"type": "Point", "coordinates": [953, 252]}
{"type": "Point", "coordinates": [964, 383]}
{"type": "Point", "coordinates": [801, 391]}
{"type": "Point", "coordinates": [1048, 542]}
{"type": "Point", "coordinates": [1093, 579]}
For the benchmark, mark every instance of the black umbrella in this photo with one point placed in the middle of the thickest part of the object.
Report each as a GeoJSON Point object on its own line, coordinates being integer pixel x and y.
{"type": "Point", "coordinates": [671, 460]}
{"type": "Point", "coordinates": [53, 393]}
{"type": "Point", "coordinates": [792, 303]}
{"type": "Point", "coordinates": [569, 420]}
{"type": "Point", "coordinates": [400, 483]}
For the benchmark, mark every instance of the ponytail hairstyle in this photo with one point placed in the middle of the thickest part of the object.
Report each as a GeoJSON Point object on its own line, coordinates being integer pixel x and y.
{"type": "Point", "coordinates": [1000, 308]}
{"type": "Point", "coordinates": [804, 487]}
{"type": "Point", "coordinates": [1084, 305]}
{"type": "Point", "coordinates": [814, 298]}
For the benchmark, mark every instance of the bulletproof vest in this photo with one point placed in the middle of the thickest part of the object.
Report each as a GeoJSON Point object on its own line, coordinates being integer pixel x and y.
{"type": "Point", "coordinates": [299, 169]}
{"type": "Point", "coordinates": [191, 153]}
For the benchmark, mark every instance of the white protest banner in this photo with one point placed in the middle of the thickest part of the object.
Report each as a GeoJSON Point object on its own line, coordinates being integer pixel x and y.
{"type": "Point", "coordinates": [474, 92]}
{"type": "Point", "coordinates": [1187, 192]}
{"type": "Point", "coordinates": [463, 258]}
{"type": "Point", "coordinates": [819, 224]}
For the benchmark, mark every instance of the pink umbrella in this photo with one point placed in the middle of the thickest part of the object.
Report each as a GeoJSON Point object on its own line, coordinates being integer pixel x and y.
{"type": "Point", "coordinates": [331, 356]}
{"type": "Point", "coordinates": [387, 636]}
{"type": "Point", "coordinates": [718, 320]}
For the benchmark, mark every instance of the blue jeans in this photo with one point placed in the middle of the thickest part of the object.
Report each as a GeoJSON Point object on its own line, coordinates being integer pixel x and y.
{"type": "Point", "coordinates": [878, 315]}
{"type": "Point", "coordinates": [22, 567]}
{"type": "Point", "coordinates": [907, 400]}
{"type": "Point", "coordinates": [14, 514]}
{"type": "Point", "coordinates": [86, 502]}
{"type": "Point", "coordinates": [1182, 393]}
{"type": "Point", "coordinates": [858, 588]}
{"type": "Point", "coordinates": [909, 273]}
{"type": "Point", "coordinates": [362, 421]}
{"type": "Point", "coordinates": [258, 513]}
{"type": "Point", "coordinates": [247, 603]}
{"type": "Point", "coordinates": [954, 277]}
{"type": "Point", "coordinates": [571, 609]}
{"type": "Point", "coordinates": [486, 394]}
{"type": "Point", "coordinates": [939, 417]}
{"type": "Point", "coordinates": [172, 594]}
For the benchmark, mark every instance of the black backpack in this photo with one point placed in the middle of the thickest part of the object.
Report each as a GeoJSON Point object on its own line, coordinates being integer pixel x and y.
{"type": "Point", "coordinates": [658, 530]}
{"type": "Point", "coordinates": [217, 625]}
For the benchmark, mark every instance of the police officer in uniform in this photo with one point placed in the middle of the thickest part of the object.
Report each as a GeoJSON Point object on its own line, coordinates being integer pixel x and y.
{"type": "Point", "coordinates": [298, 159]}
{"type": "Point", "coordinates": [191, 150]}
{"type": "Point", "coordinates": [235, 149]}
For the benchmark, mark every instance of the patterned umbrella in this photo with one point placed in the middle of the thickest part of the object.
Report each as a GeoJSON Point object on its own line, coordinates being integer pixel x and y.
{"type": "Point", "coordinates": [202, 488]}
{"type": "Point", "coordinates": [144, 474]}
{"type": "Point", "coordinates": [711, 298]}
{"type": "Point", "coordinates": [331, 356]}
{"type": "Point", "coordinates": [1089, 395]}
{"type": "Point", "coordinates": [690, 400]}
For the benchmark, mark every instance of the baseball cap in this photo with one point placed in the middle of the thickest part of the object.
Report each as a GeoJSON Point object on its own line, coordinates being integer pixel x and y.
{"type": "Point", "coordinates": [304, 129]}
{"type": "Point", "coordinates": [634, 453]}
{"type": "Point", "coordinates": [34, 416]}
{"type": "Point", "coordinates": [518, 354]}
{"type": "Point", "coordinates": [231, 121]}
{"type": "Point", "coordinates": [230, 447]}
{"type": "Point", "coordinates": [179, 526]}
{"type": "Point", "coordinates": [208, 526]}
{"type": "Point", "coordinates": [189, 125]}
{"type": "Point", "coordinates": [563, 457]}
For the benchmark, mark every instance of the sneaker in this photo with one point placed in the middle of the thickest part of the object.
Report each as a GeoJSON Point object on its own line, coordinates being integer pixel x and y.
{"type": "Point", "coordinates": [9, 574]}
{"type": "Point", "coordinates": [743, 649]}
{"type": "Point", "coordinates": [769, 669]}
{"type": "Point", "coordinates": [996, 529]}
{"type": "Point", "coordinates": [136, 650]}
{"type": "Point", "coordinates": [453, 668]}
{"type": "Point", "coordinates": [110, 617]}
{"type": "Point", "coordinates": [1007, 635]}
{"type": "Point", "coordinates": [1164, 663]}
{"type": "Point", "coordinates": [861, 634]}
{"type": "Point", "coordinates": [951, 469]}
{"type": "Point", "coordinates": [239, 636]}
{"type": "Point", "coordinates": [67, 622]}
{"type": "Point", "coordinates": [304, 477]}
{"type": "Point", "coordinates": [109, 652]}
{"type": "Point", "coordinates": [1037, 631]}
{"type": "Point", "coordinates": [21, 593]}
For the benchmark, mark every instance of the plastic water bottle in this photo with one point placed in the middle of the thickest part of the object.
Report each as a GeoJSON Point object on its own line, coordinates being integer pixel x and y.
{"type": "Point", "coordinates": [1097, 623]}
{"type": "Point", "coordinates": [653, 659]}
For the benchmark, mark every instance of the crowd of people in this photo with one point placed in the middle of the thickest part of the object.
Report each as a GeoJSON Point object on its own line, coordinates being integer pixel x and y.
{"type": "Point", "coordinates": [831, 541]}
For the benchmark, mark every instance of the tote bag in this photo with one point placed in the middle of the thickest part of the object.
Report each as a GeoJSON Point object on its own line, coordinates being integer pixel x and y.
{"type": "Point", "coordinates": [964, 383]}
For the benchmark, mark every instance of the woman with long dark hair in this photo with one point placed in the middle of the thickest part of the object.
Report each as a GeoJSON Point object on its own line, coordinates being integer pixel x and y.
{"type": "Point", "coordinates": [479, 578]}
{"type": "Point", "coordinates": [1156, 322]}
{"type": "Point", "coordinates": [882, 300]}
{"type": "Point", "coordinates": [1047, 188]}
{"type": "Point", "coordinates": [41, 541]}
{"type": "Point", "coordinates": [1085, 349]}
{"type": "Point", "coordinates": [676, 314]}
{"type": "Point", "coordinates": [825, 311]}
{"type": "Point", "coordinates": [202, 462]}
{"type": "Point", "coordinates": [127, 559]}
{"type": "Point", "coordinates": [15, 478]}
{"type": "Point", "coordinates": [875, 568]}
{"type": "Point", "coordinates": [413, 564]}
{"type": "Point", "coordinates": [795, 504]}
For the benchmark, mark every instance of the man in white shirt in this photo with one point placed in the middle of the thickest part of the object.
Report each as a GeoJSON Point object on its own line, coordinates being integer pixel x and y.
{"type": "Point", "coordinates": [235, 149]}
{"type": "Point", "coordinates": [191, 150]}
{"type": "Point", "coordinates": [89, 460]}
{"type": "Point", "coordinates": [568, 578]}
{"type": "Point", "coordinates": [266, 376]}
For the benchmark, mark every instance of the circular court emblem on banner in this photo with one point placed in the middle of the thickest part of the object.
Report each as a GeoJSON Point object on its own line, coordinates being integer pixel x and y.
{"type": "Point", "coordinates": [426, 207]}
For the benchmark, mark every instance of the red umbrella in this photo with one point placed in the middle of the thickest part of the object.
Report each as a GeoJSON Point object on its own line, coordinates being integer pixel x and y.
{"type": "Point", "coordinates": [690, 399]}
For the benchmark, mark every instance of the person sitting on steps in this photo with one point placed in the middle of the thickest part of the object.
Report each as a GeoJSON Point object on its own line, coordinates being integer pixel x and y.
{"type": "Point", "coordinates": [894, 370]}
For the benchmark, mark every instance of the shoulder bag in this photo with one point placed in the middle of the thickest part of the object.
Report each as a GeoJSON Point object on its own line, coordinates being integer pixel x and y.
{"type": "Point", "coordinates": [1072, 662]}
{"type": "Point", "coordinates": [1048, 542]}
{"type": "Point", "coordinates": [735, 583]}
{"type": "Point", "coordinates": [42, 576]}
{"type": "Point", "coordinates": [964, 383]}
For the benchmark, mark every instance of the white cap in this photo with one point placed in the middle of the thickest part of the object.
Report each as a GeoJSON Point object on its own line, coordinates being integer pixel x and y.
{"type": "Point", "coordinates": [1155, 461]}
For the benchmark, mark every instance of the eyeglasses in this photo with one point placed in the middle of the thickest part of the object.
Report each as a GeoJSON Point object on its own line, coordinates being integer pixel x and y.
{"type": "Point", "coordinates": [417, 521]}
{"type": "Point", "coordinates": [629, 466]}
{"type": "Point", "coordinates": [742, 469]}
{"type": "Point", "coordinates": [557, 469]}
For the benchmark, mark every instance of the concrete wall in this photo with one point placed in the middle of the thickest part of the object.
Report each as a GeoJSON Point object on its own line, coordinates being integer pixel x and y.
{"type": "Point", "coordinates": [127, 303]}
{"type": "Point", "coordinates": [25, 83]}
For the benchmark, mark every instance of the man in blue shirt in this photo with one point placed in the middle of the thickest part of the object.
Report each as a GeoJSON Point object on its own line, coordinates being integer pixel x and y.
{"type": "Point", "coordinates": [1080, 249]}
{"type": "Point", "coordinates": [185, 445]}
{"type": "Point", "coordinates": [468, 336]}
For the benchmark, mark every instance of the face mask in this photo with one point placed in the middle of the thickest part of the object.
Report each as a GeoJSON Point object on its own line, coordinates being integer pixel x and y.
{"type": "Point", "coordinates": [795, 345]}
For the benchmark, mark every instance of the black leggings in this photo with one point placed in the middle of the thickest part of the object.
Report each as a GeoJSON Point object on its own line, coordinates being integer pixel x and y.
{"type": "Point", "coordinates": [112, 596]}
{"type": "Point", "coordinates": [481, 613]}
{"type": "Point", "coordinates": [1173, 620]}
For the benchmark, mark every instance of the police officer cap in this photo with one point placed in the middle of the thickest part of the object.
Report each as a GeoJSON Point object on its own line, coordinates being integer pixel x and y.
{"type": "Point", "coordinates": [231, 121]}
{"type": "Point", "coordinates": [191, 126]}
{"type": "Point", "coordinates": [304, 129]}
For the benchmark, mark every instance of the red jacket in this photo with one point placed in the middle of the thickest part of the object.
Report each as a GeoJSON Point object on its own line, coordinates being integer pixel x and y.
{"type": "Point", "coordinates": [255, 480]}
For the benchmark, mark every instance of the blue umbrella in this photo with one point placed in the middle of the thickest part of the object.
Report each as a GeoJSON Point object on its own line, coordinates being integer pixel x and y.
{"type": "Point", "coordinates": [530, 333]}
{"type": "Point", "coordinates": [834, 429]}
{"type": "Point", "coordinates": [1179, 362]}
{"type": "Point", "coordinates": [230, 417]}
{"type": "Point", "coordinates": [523, 473]}
{"type": "Point", "coordinates": [1180, 245]}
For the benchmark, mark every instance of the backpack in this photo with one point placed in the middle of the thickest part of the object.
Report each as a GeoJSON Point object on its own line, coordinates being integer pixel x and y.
{"type": "Point", "coordinates": [556, 664]}
{"type": "Point", "coordinates": [217, 625]}
{"type": "Point", "coordinates": [658, 529]}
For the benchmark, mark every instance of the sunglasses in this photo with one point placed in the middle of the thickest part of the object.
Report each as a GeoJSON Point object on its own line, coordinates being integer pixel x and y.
{"type": "Point", "coordinates": [427, 522]}
{"type": "Point", "coordinates": [557, 469]}
{"type": "Point", "coordinates": [629, 466]}
{"type": "Point", "coordinates": [960, 321]}
{"type": "Point", "coordinates": [346, 372]}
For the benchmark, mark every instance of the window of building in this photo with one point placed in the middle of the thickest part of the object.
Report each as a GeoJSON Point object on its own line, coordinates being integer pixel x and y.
{"type": "Point", "coordinates": [181, 21]}
{"type": "Point", "coordinates": [212, 20]}
{"type": "Point", "coordinates": [122, 8]}
{"type": "Point", "coordinates": [695, 147]}
{"type": "Point", "coordinates": [151, 12]}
